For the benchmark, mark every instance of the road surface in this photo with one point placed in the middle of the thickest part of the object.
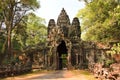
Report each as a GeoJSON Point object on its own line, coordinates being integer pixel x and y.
{"type": "Point", "coordinates": [55, 75]}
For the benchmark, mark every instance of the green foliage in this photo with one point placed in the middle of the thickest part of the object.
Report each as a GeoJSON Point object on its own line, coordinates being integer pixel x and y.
{"type": "Point", "coordinates": [64, 56]}
{"type": "Point", "coordinates": [13, 19]}
{"type": "Point", "coordinates": [36, 30]}
{"type": "Point", "coordinates": [104, 60]}
{"type": "Point", "coordinates": [108, 62]}
{"type": "Point", "coordinates": [2, 41]}
{"type": "Point", "coordinates": [12, 61]}
{"type": "Point", "coordinates": [12, 13]}
{"type": "Point", "coordinates": [16, 45]}
{"type": "Point", "coordinates": [32, 3]}
{"type": "Point", "coordinates": [86, 1]}
{"type": "Point", "coordinates": [30, 32]}
{"type": "Point", "coordinates": [101, 20]}
{"type": "Point", "coordinates": [19, 35]}
{"type": "Point", "coordinates": [115, 49]}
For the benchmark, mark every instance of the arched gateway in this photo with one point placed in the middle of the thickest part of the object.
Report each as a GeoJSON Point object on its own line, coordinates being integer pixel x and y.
{"type": "Point", "coordinates": [64, 43]}
{"type": "Point", "coordinates": [62, 54]}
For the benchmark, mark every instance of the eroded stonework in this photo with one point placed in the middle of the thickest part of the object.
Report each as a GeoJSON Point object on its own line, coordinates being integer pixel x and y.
{"type": "Point", "coordinates": [64, 47]}
{"type": "Point", "coordinates": [61, 35]}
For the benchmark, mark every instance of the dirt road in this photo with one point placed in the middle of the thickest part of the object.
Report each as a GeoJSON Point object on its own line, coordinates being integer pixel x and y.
{"type": "Point", "coordinates": [56, 75]}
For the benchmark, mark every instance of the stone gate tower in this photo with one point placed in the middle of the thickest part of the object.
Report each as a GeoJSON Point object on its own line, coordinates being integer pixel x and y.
{"type": "Point", "coordinates": [64, 43]}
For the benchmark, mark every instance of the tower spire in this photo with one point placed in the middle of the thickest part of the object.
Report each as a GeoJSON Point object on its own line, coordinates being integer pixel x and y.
{"type": "Point", "coordinates": [63, 18]}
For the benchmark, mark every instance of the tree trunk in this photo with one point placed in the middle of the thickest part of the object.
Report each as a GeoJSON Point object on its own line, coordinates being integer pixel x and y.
{"type": "Point", "coordinates": [9, 42]}
{"type": "Point", "coordinates": [0, 25]}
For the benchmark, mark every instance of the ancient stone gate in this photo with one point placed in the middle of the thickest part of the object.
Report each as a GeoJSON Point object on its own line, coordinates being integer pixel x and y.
{"type": "Point", "coordinates": [64, 47]}
{"type": "Point", "coordinates": [64, 43]}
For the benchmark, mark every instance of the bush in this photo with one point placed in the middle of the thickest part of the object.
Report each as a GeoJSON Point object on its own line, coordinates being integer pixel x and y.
{"type": "Point", "coordinates": [108, 62]}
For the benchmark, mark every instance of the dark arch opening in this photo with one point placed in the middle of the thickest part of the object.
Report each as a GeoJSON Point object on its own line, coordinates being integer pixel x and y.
{"type": "Point", "coordinates": [62, 55]}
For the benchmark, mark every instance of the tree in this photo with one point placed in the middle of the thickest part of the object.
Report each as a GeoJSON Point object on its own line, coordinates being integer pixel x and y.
{"type": "Point", "coordinates": [101, 20]}
{"type": "Point", "coordinates": [31, 31]}
{"type": "Point", "coordinates": [86, 1]}
{"type": "Point", "coordinates": [19, 35]}
{"type": "Point", "coordinates": [36, 30]}
{"type": "Point", "coordinates": [13, 11]}
{"type": "Point", "coordinates": [1, 19]}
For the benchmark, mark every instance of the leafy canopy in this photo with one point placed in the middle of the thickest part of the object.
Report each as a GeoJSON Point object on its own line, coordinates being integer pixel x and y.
{"type": "Point", "coordinates": [11, 19]}
{"type": "Point", "coordinates": [101, 20]}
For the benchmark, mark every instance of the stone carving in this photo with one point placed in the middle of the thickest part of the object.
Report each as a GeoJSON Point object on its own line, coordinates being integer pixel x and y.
{"type": "Point", "coordinates": [64, 39]}
{"type": "Point", "coordinates": [75, 28]}
{"type": "Point", "coordinates": [60, 42]}
{"type": "Point", "coordinates": [63, 19]}
{"type": "Point", "coordinates": [51, 25]}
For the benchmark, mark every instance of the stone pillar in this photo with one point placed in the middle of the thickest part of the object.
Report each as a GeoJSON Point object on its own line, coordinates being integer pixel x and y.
{"type": "Point", "coordinates": [81, 61]}
{"type": "Point", "coordinates": [57, 61]}
{"type": "Point", "coordinates": [46, 60]}
{"type": "Point", "coordinates": [69, 59]}
{"type": "Point", "coordinates": [76, 59]}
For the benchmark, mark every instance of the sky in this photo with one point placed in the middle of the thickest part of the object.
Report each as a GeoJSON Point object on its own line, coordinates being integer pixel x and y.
{"type": "Point", "coordinates": [50, 9]}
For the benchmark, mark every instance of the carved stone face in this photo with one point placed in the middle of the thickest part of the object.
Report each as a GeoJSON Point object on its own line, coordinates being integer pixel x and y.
{"type": "Point", "coordinates": [63, 19]}
{"type": "Point", "coordinates": [51, 22]}
{"type": "Point", "coordinates": [75, 21]}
